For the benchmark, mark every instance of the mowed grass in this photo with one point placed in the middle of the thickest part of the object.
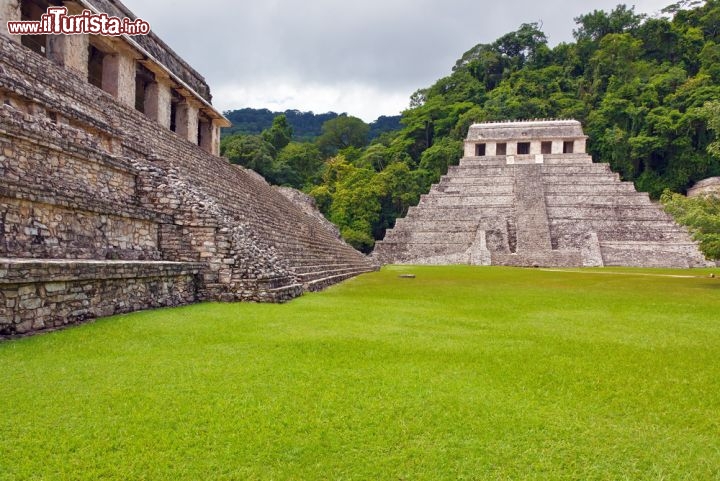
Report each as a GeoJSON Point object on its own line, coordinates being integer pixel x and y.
{"type": "Point", "coordinates": [461, 374]}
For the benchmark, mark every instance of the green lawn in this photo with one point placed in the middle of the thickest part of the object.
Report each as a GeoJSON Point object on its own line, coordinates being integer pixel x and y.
{"type": "Point", "coordinates": [461, 373]}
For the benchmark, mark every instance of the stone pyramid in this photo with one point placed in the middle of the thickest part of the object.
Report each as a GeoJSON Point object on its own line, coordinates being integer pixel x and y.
{"type": "Point", "coordinates": [527, 194]}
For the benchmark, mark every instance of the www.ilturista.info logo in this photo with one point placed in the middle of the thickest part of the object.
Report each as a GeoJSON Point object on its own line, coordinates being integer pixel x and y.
{"type": "Point", "coordinates": [56, 21]}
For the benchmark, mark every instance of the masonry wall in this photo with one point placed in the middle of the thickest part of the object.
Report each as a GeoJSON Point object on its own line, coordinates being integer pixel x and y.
{"type": "Point", "coordinates": [35, 229]}
{"type": "Point", "coordinates": [63, 197]}
{"type": "Point", "coordinates": [46, 294]}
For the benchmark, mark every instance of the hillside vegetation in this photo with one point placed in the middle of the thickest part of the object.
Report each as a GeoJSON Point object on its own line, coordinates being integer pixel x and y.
{"type": "Point", "coordinates": [306, 126]}
{"type": "Point", "coordinates": [646, 90]}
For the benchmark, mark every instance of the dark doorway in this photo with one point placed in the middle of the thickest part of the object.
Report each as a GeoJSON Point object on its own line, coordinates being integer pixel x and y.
{"type": "Point", "coordinates": [95, 66]}
{"type": "Point", "coordinates": [143, 78]}
{"type": "Point", "coordinates": [173, 116]}
{"type": "Point", "coordinates": [32, 11]}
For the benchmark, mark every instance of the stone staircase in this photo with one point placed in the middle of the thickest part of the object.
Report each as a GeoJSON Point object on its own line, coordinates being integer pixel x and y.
{"type": "Point", "coordinates": [533, 229]}
{"type": "Point", "coordinates": [298, 239]}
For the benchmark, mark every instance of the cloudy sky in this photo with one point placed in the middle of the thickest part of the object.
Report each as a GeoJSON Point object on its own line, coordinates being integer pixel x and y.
{"type": "Point", "coordinates": [365, 57]}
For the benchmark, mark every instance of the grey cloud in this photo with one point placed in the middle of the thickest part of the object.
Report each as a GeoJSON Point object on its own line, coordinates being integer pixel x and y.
{"type": "Point", "coordinates": [386, 44]}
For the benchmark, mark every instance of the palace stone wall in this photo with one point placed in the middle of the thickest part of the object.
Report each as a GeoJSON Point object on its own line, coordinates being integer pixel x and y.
{"type": "Point", "coordinates": [103, 210]}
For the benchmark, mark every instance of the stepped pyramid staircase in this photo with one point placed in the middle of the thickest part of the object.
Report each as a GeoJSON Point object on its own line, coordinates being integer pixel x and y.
{"type": "Point", "coordinates": [556, 209]}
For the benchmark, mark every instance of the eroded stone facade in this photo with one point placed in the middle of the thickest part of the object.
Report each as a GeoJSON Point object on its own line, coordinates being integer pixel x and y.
{"type": "Point", "coordinates": [112, 202]}
{"type": "Point", "coordinates": [527, 194]}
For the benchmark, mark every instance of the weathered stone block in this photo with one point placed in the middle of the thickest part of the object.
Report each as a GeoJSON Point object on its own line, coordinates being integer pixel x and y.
{"type": "Point", "coordinates": [55, 287]}
{"type": "Point", "coordinates": [31, 303]}
{"type": "Point", "coordinates": [25, 291]}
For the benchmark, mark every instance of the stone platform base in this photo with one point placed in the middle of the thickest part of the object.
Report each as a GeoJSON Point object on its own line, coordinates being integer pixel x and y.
{"type": "Point", "coordinates": [42, 294]}
{"type": "Point", "coordinates": [538, 259]}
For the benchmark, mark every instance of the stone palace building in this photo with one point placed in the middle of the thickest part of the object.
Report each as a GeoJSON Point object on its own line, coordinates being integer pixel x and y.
{"type": "Point", "coordinates": [112, 194]}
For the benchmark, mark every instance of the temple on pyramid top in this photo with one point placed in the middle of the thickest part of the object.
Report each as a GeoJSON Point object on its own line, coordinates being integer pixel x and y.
{"type": "Point", "coordinates": [530, 137]}
{"type": "Point", "coordinates": [527, 194]}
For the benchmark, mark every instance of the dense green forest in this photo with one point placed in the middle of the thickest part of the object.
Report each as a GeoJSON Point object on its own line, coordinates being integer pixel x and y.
{"type": "Point", "coordinates": [646, 90]}
{"type": "Point", "coordinates": [306, 126]}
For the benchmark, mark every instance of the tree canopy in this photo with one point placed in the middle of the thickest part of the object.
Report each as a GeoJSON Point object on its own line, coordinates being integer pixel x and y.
{"type": "Point", "coordinates": [306, 126]}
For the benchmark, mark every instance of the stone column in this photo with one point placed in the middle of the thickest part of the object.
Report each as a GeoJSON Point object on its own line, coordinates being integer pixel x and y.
{"type": "Point", "coordinates": [557, 146]}
{"type": "Point", "coordinates": [70, 51]}
{"type": "Point", "coordinates": [158, 97]}
{"type": "Point", "coordinates": [119, 77]}
{"type": "Point", "coordinates": [579, 147]}
{"type": "Point", "coordinates": [9, 12]}
{"type": "Point", "coordinates": [469, 149]}
{"type": "Point", "coordinates": [210, 137]}
{"type": "Point", "coordinates": [186, 120]}
{"type": "Point", "coordinates": [491, 148]}
{"type": "Point", "coordinates": [215, 138]}
{"type": "Point", "coordinates": [535, 147]}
